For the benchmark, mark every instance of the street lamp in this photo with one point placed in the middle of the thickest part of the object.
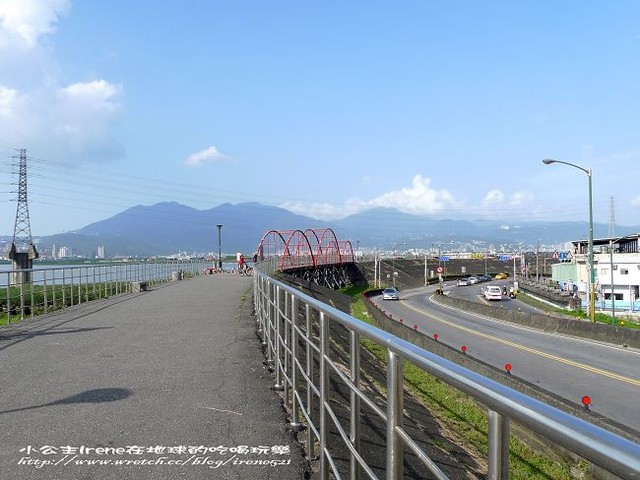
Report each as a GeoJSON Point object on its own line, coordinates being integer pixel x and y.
{"type": "Point", "coordinates": [592, 272]}
{"type": "Point", "coordinates": [219, 246]}
{"type": "Point", "coordinates": [613, 295]}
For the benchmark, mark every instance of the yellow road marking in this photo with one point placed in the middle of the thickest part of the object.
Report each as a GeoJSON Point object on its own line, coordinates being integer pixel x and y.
{"type": "Point", "coordinates": [540, 353]}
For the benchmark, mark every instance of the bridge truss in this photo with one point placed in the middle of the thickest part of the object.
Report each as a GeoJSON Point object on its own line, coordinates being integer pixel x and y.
{"type": "Point", "coordinates": [314, 254]}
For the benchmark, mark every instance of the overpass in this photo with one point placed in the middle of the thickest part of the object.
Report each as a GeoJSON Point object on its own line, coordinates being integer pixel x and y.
{"type": "Point", "coordinates": [315, 255]}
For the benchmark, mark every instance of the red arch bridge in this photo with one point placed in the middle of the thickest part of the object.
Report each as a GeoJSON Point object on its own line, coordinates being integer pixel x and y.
{"type": "Point", "coordinates": [314, 254]}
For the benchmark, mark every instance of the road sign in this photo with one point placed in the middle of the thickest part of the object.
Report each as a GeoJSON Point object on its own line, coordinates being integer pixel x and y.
{"type": "Point", "coordinates": [440, 269]}
{"type": "Point", "coordinates": [444, 258]}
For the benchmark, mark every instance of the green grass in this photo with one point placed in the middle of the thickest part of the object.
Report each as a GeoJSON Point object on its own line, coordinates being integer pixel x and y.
{"type": "Point", "coordinates": [621, 319]}
{"type": "Point", "coordinates": [33, 297]}
{"type": "Point", "coordinates": [468, 421]}
{"type": "Point", "coordinates": [355, 290]}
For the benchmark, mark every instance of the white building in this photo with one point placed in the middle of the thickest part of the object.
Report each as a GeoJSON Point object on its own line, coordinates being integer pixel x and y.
{"type": "Point", "coordinates": [617, 270]}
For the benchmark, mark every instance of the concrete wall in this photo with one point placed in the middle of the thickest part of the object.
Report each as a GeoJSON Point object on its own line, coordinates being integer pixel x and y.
{"type": "Point", "coordinates": [566, 326]}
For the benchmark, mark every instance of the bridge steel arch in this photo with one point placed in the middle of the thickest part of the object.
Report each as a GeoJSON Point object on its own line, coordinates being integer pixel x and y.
{"type": "Point", "coordinates": [285, 249]}
{"type": "Point", "coordinates": [314, 254]}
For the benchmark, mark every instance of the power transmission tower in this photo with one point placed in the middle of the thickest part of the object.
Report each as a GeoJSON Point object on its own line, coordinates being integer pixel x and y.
{"type": "Point", "coordinates": [23, 251]}
{"type": "Point", "coordinates": [612, 219]}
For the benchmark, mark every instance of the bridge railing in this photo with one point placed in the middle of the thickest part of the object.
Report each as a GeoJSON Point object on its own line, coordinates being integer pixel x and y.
{"type": "Point", "coordinates": [299, 332]}
{"type": "Point", "coordinates": [55, 287]}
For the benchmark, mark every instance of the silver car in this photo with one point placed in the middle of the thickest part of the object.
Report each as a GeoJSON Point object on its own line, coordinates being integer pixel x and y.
{"type": "Point", "coordinates": [390, 294]}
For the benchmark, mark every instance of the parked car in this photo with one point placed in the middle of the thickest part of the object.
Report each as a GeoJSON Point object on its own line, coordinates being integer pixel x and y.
{"type": "Point", "coordinates": [390, 294]}
{"type": "Point", "coordinates": [493, 292]}
{"type": "Point", "coordinates": [473, 280]}
{"type": "Point", "coordinates": [485, 277]}
{"type": "Point", "coordinates": [462, 282]}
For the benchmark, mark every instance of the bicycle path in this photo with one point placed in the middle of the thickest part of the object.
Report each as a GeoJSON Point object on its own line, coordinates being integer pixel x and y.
{"type": "Point", "coordinates": [163, 384]}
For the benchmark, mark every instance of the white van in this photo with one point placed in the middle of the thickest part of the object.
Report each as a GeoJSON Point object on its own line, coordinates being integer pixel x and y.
{"type": "Point", "coordinates": [493, 292]}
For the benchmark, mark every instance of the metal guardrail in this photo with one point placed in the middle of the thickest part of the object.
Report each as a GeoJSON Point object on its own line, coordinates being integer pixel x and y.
{"type": "Point", "coordinates": [298, 331]}
{"type": "Point", "coordinates": [59, 287]}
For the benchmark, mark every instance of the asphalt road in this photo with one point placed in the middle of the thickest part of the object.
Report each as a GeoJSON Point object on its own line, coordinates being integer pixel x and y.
{"type": "Point", "coordinates": [473, 293]}
{"type": "Point", "coordinates": [165, 384]}
{"type": "Point", "coordinates": [567, 366]}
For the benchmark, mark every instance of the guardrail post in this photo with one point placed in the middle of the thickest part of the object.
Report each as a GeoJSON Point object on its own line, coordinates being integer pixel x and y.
{"type": "Point", "coordinates": [32, 296]}
{"type": "Point", "coordinates": [79, 283]}
{"type": "Point", "coordinates": [498, 437]}
{"type": "Point", "coordinates": [309, 337]}
{"type": "Point", "coordinates": [354, 427]}
{"type": "Point", "coordinates": [280, 324]}
{"type": "Point", "coordinates": [64, 290]}
{"type": "Point", "coordinates": [324, 395]}
{"type": "Point", "coordinates": [8, 298]}
{"type": "Point", "coordinates": [287, 322]}
{"type": "Point", "coordinates": [21, 296]}
{"type": "Point", "coordinates": [44, 291]}
{"type": "Point", "coordinates": [269, 323]}
{"type": "Point", "coordinates": [278, 339]}
{"type": "Point", "coordinates": [53, 287]}
{"type": "Point", "coordinates": [394, 415]}
{"type": "Point", "coordinates": [295, 423]}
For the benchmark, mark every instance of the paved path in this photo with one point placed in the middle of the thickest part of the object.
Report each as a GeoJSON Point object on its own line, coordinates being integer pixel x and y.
{"type": "Point", "coordinates": [164, 384]}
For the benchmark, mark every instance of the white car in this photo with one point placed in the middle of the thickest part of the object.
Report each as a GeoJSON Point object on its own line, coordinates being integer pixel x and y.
{"type": "Point", "coordinates": [390, 294]}
{"type": "Point", "coordinates": [492, 292]}
{"type": "Point", "coordinates": [462, 282]}
{"type": "Point", "coordinates": [473, 280]}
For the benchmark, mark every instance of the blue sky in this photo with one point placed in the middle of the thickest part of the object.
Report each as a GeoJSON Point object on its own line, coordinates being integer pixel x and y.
{"type": "Point", "coordinates": [325, 108]}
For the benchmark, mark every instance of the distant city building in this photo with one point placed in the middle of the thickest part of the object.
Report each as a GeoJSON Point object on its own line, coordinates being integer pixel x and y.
{"type": "Point", "coordinates": [100, 252]}
{"type": "Point", "coordinates": [64, 252]}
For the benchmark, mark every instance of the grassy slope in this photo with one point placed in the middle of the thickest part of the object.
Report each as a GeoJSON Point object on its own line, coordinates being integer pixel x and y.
{"type": "Point", "coordinates": [467, 420]}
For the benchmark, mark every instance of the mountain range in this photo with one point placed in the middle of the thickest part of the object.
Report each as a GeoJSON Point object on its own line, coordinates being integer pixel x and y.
{"type": "Point", "coordinates": [169, 227]}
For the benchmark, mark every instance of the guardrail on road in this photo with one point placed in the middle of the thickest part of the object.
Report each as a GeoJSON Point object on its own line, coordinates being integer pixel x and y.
{"type": "Point", "coordinates": [300, 335]}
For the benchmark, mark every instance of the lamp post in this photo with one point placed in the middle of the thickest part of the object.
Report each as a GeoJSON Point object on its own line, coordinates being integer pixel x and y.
{"type": "Point", "coordinates": [613, 295]}
{"type": "Point", "coordinates": [219, 246]}
{"type": "Point", "coordinates": [592, 271]}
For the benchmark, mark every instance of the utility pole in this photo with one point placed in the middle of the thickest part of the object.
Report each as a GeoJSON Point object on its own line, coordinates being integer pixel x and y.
{"type": "Point", "coordinates": [425, 269]}
{"type": "Point", "coordinates": [537, 256]}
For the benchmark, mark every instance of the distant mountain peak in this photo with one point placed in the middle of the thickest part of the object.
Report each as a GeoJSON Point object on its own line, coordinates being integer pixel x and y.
{"type": "Point", "coordinates": [168, 227]}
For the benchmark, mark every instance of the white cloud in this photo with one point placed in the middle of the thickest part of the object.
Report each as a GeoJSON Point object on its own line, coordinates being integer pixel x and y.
{"type": "Point", "coordinates": [493, 197]}
{"type": "Point", "coordinates": [326, 211]}
{"type": "Point", "coordinates": [209, 155]}
{"type": "Point", "coordinates": [8, 102]}
{"type": "Point", "coordinates": [521, 198]}
{"type": "Point", "coordinates": [71, 121]}
{"type": "Point", "coordinates": [422, 199]}
{"type": "Point", "coordinates": [30, 19]}
{"type": "Point", "coordinates": [418, 199]}
{"type": "Point", "coordinates": [98, 95]}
